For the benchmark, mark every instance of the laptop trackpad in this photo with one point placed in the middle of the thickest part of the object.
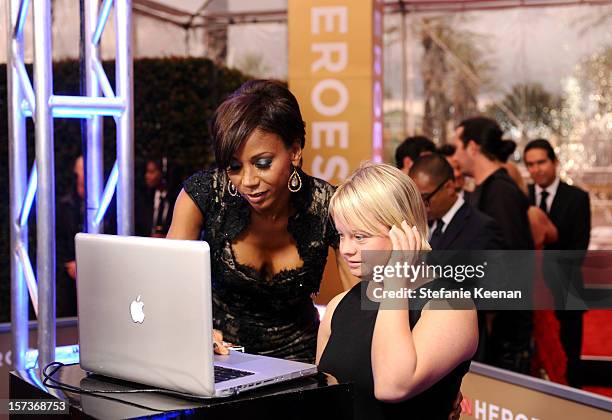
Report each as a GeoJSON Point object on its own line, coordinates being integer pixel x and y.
{"type": "Point", "coordinates": [234, 358]}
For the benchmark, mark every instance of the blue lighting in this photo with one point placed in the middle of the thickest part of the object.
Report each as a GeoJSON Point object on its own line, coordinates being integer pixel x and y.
{"type": "Point", "coordinates": [174, 415]}
{"type": "Point", "coordinates": [107, 196]}
{"type": "Point", "coordinates": [67, 355]}
{"type": "Point", "coordinates": [25, 109]}
{"type": "Point", "coordinates": [82, 112]}
{"type": "Point", "coordinates": [35, 379]}
{"type": "Point", "coordinates": [29, 198]}
{"type": "Point", "coordinates": [23, 14]}
{"type": "Point", "coordinates": [102, 19]}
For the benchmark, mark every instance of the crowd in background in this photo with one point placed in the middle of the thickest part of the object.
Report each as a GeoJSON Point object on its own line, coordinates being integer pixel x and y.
{"type": "Point", "coordinates": [500, 211]}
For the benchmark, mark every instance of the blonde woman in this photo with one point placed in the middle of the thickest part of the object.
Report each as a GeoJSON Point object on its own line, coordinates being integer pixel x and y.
{"type": "Point", "coordinates": [403, 362]}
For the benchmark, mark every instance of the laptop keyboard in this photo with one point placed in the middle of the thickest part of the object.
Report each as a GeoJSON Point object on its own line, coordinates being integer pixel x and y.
{"type": "Point", "coordinates": [225, 374]}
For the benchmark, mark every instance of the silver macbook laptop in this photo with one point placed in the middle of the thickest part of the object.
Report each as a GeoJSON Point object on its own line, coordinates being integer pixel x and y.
{"type": "Point", "coordinates": [144, 307]}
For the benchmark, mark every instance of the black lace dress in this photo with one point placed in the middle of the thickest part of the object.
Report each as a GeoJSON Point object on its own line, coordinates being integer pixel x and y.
{"type": "Point", "coordinates": [269, 316]}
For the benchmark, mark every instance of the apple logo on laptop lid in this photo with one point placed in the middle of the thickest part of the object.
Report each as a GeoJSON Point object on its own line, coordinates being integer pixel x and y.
{"type": "Point", "coordinates": [137, 311]}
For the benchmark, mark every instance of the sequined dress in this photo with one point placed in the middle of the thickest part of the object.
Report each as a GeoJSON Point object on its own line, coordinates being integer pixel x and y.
{"type": "Point", "coordinates": [270, 316]}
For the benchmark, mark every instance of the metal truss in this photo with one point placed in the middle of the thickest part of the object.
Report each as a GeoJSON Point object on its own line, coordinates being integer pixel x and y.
{"type": "Point", "coordinates": [40, 104]}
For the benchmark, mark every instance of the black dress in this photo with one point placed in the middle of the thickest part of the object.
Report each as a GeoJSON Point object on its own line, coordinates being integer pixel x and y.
{"type": "Point", "coordinates": [347, 356]}
{"type": "Point", "coordinates": [269, 316]}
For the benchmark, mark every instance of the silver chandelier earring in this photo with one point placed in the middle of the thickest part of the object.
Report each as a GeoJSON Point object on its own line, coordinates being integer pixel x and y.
{"type": "Point", "coordinates": [231, 188]}
{"type": "Point", "coordinates": [295, 182]}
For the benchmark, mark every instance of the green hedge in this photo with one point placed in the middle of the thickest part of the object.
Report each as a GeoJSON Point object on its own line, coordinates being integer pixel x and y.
{"type": "Point", "coordinates": [174, 100]}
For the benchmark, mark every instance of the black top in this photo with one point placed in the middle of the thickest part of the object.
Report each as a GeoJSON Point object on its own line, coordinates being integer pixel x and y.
{"type": "Point", "coordinates": [499, 197]}
{"type": "Point", "coordinates": [270, 316]}
{"type": "Point", "coordinates": [347, 356]}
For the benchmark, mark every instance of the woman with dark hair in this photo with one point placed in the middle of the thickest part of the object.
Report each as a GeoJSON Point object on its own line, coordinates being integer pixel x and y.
{"type": "Point", "coordinates": [511, 168]}
{"type": "Point", "coordinates": [266, 222]}
{"type": "Point", "coordinates": [480, 152]}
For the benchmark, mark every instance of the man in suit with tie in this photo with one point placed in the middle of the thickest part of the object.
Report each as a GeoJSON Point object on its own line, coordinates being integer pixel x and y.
{"type": "Point", "coordinates": [456, 225]}
{"type": "Point", "coordinates": [568, 208]}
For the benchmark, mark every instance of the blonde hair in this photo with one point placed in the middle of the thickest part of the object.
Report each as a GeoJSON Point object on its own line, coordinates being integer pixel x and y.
{"type": "Point", "coordinates": [377, 192]}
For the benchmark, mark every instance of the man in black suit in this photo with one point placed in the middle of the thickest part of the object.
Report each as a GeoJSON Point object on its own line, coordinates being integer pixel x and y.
{"type": "Point", "coordinates": [569, 210]}
{"type": "Point", "coordinates": [456, 225]}
{"type": "Point", "coordinates": [155, 205]}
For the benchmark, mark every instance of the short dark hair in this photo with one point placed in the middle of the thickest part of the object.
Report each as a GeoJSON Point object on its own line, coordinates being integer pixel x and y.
{"type": "Point", "coordinates": [488, 135]}
{"type": "Point", "coordinates": [258, 104]}
{"type": "Point", "coordinates": [413, 147]}
{"type": "Point", "coordinates": [157, 161]}
{"type": "Point", "coordinates": [541, 144]}
{"type": "Point", "coordinates": [435, 166]}
{"type": "Point", "coordinates": [446, 150]}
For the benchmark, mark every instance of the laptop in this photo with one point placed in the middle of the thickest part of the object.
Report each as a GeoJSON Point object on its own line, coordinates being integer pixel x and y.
{"type": "Point", "coordinates": [144, 312]}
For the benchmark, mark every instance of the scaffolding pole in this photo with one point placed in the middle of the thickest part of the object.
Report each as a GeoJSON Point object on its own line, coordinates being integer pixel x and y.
{"type": "Point", "coordinates": [93, 153]}
{"type": "Point", "coordinates": [18, 174]}
{"type": "Point", "coordinates": [43, 106]}
{"type": "Point", "coordinates": [125, 123]}
{"type": "Point", "coordinates": [45, 200]}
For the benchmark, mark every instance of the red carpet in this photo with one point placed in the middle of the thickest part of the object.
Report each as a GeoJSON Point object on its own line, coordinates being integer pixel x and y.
{"type": "Point", "coordinates": [599, 390]}
{"type": "Point", "coordinates": [550, 357]}
{"type": "Point", "coordinates": [597, 335]}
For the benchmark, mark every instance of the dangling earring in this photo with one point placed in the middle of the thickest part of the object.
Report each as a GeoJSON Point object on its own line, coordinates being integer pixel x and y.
{"type": "Point", "coordinates": [295, 182]}
{"type": "Point", "coordinates": [231, 188]}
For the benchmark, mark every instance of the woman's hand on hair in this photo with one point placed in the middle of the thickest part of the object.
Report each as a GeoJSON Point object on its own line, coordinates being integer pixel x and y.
{"type": "Point", "coordinates": [405, 238]}
{"type": "Point", "coordinates": [407, 243]}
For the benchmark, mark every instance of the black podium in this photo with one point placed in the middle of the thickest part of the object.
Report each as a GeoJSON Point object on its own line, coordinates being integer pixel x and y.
{"type": "Point", "coordinates": [316, 397]}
